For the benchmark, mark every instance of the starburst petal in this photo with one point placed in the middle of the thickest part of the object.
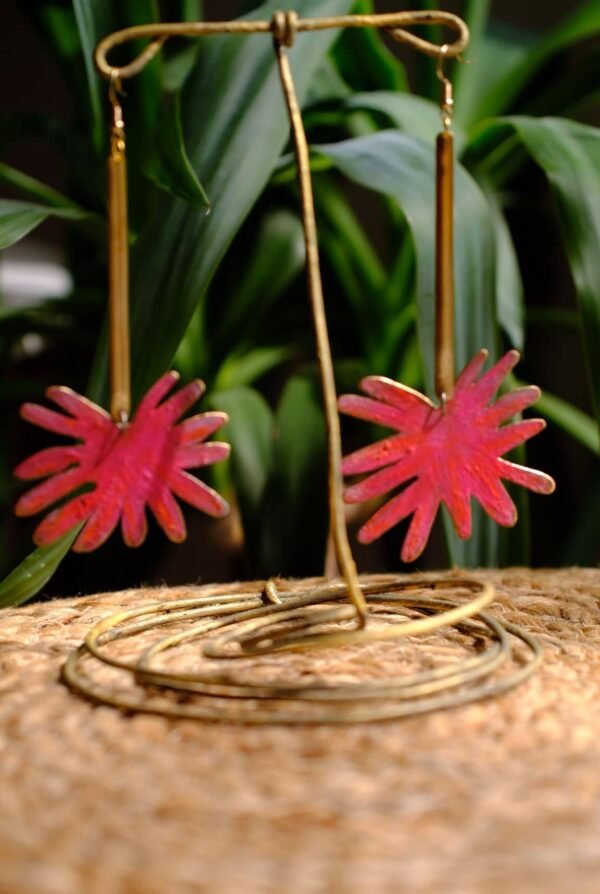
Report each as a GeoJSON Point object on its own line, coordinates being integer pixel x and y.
{"type": "Point", "coordinates": [64, 519]}
{"type": "Point", "coordinates": [382, 453]}
{"type": "Point", "coordinates": [50, 420]}
{"type": "Point", "coordinates": [44, 495]}
{"type": "Point", "coordinates": [494, 498]}
{"type": "Point", "coordinates": [530, 478]}
{"type": "Point", "coordinates": [79, 407]}
{"type": "Point", "coordinates": [102, 522]}
{"type": "Point", "coordinates": [419, 529]}
{"type": "Point", "coordinates": [173, 408]}
{"type": "Point", "coordinates": [371, 410]}
{"type": "Point", "coordinates": [383, 481]}
{"type": "Point", "coordinates": [490, 381]}
{"type": "Point", "coordinates": [391, 513]}
{"type": "Point", "coordinates": [471, 370]}
{"type": "Point", "coordinates": [510, 404]}
{"type": "Point", "coordinates": [196, 455]}
{"type": "Point", "coordinates": [512, 435]}
{"type": "Point", "coordinates": [168, 514]}
{"type": "Point", "coordinates": [155, 394]}
{"type": "Point", "coordinates": [48, 462]}
{"type": "Point", "coordinates": [133, 521]}
{"type": "Point", "coordinates": [458, 502]}
{"type": "Point", "coordinates": [414, 406]}
{"type": "Point", "coordinates": [199, 427]}
{"type": "Point", "coordinates": [197, 494]}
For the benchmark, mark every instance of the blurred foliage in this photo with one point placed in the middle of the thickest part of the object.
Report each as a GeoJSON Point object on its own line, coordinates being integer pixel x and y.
{"type": "Point", "coordinates": [220, 295]}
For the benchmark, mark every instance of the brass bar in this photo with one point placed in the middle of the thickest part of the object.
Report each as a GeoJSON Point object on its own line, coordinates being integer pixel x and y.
{"type": "Point", "coordinates": [118, 273]}
{"type": "Point", "coordinates": [444, 265]}
{"type": "Point", "coordinates": [338, 530]}
{"type": "Point", "coordinates": [394, 23]}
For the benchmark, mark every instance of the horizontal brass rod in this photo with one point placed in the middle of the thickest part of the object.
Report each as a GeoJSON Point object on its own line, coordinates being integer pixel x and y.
{"type": "Point", "coordinates": [394, 23]}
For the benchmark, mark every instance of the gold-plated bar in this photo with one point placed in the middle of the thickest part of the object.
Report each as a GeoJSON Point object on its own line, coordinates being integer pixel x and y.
{"type": "Point", "coordinates": [444, 265]}
{"type": "Point", "coordinates": [338, 530]}
{"type": "Point", "coordinates": [118, 273]}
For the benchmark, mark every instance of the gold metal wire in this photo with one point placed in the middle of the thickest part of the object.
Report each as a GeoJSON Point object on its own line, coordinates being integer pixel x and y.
{"type": "Point", "coordinates": [234, 634]}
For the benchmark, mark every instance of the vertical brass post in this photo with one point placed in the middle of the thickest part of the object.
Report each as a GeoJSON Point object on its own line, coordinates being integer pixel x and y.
{"type": "Point", "coordinates": [118, 266]}
{"type": "Point", "coordinates": [444, 244]}
{"type": "Point", "coordinates": [336, 504]}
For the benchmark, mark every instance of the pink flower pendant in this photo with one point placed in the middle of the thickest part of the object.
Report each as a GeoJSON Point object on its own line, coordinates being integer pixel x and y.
{"type": "Point", "coordinates": [121, 469]}
{"type": "Point", "coordinates": [447, 454]}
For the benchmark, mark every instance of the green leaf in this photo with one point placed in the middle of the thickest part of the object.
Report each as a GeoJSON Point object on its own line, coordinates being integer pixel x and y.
{"type": "Point", "coordinates": [364, 61]}
{"type": "Point", "coordinates": [295, 517]}
{"type": "Point", "coordinates": [168, 165]}
{"type": "Point", "coordinates": [17, 219]}
{"type": "Point", "coordinates": [34, 189]}
{"type": "Point", "coordinates": [569, 155]}
{"type": "Point", "coordinates": [246, 368]}
{"type": "Point", "coordinates": [510, 299]}
{"type": "Point", "coordinates": [570, 418]}
{"type": "Point", "coordinates": [234, 87]}
{"type": "Point", "coordinates": [94, 22]}
{"type": "Point", "coordinates": [35, 571]}
{"type": "Point", "coordinates": [403, 168]}
{"type": "Point", "coordinates": [580, 25]}
{"type": "Point", "coordinates": [418, 117]}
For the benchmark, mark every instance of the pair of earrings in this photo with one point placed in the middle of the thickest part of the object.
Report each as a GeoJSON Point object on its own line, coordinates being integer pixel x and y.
{"type": "Point", "coordinates": [440, 453]}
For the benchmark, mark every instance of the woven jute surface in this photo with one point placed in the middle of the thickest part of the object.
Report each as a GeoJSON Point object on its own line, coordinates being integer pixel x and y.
{"type": "Point", "coordinates": [497, 796]}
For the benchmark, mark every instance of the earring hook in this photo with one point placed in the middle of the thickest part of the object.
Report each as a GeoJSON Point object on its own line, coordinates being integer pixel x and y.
{"type": "Point", "coordinates": [447, 101]}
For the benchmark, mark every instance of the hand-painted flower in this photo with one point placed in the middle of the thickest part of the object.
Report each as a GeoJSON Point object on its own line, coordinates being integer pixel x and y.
{"type": "Point", "coordinates": [131, 466]}
{"type": "Point", "coordinates": [448, 454]}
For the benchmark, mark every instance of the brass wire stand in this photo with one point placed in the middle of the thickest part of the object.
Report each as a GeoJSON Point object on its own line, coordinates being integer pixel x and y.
{"type": "Point", "coordinates": [234, 635]}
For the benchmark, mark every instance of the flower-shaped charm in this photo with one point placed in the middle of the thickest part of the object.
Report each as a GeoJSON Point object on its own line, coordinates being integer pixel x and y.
{"type": "Point", "coordinates": [114, 471]}
{"type": "Point", "coordinates": [448, 454]}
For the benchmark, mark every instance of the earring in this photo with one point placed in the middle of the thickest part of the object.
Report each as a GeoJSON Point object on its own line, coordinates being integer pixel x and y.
{"type": "Point", "coordinates": [450, 451]}
{"type": "Point", "coordinates": [118, 467]}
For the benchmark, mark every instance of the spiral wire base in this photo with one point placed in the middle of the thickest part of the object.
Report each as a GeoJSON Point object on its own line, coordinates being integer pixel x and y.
{"type": "Point", "coordinates": [234, 642]}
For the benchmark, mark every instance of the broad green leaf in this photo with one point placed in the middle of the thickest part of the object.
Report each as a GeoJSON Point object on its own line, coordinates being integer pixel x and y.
{"type": "Point", "coordinates": [510, 300]}
{"type": "Point", "coordinates": [35, 571]}
{"type": "Point", "coordinates": [94, 22]}
{"type": "Point", "coordinates": [295, 518]}
{"type": "Point", "coordinates": [569, 155]}
{"type": "Point", "coordinates": [246, 368]}
{"type": "Point", "coordinates": [34, 189]}
{"type": "Point", "coordinates": [476, 14]}
{"type": "Point", "coordinates": [571, 419]}
{"type": "Point", "coordinates": [17, 219]}
{"type": "Point", "coordinates": [583, 23]}
{"type": "Point", "coordinates": [234, 87]}
{"type": "Point", "coordinates": [403, 167]}
{"type": "Point", "coordinates": [363, 59]}
{"type": "Point", "coordinates": [167, 163]}
{"type": "Point", "coordinates": [250, 433]}
{"type": "Point", "coordinates": [418, 117]}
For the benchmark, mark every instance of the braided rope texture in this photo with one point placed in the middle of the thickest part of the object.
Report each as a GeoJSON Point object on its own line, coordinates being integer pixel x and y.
{"type": "Point", "coordinates": [500, 795]}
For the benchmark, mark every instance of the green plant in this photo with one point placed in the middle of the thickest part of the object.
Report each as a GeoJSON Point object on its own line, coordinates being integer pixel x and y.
{"type": "Point", "coordinates": [221, 294]}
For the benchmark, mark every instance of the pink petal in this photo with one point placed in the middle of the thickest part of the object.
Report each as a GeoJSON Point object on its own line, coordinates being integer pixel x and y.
{"type": "Point", "coordinates": [197, 494]}
{"type": "Point", "coordinates": [199, 427]}
{"type": "Point", "coordinates": [168, 514]}
{"type": "Point", "coordinates": [489, 383]}
{"type": "Point", "coordinates": [79, 407]}
{"type": "Point", "coordinates": [382, 481]}
{"type": "Point", "coordinates": [133, 521]}
{"type": "Point", "coordinates": [530, 478]}
{"type": "Point", "coordinates": [99, 526]}
{"type": "Point", "coordinates": [512, 435]}
{"type": "Point", "coordinates": [471, 370]}
{"type": "Point", "coordinates": [156, 393]}
{"type": "Point", "coordinates": [48, 462]}
{"type": "Point", "coordinates": [419, 529]}
{"type": "Point", "coordinates": [194, 456]}
{"type": "Point", "coordinates": [50, 420]}
{"type": "Point", "coordinates": [382, 453]}
{"type": "Point", "coordinates": [494, 498]}
{"type": "Point", "coordinates": [391, 513]}
{"type": "Point", "coordinates": [510, 404]}
{"type": "Point", "coordinates": [44, 495]}
{"type": "Point", "coordinates": [63, 519]}
{"type": "Point", "coordinates": [415, 407]}
{"type": "Point", "coordinates": [371, 410]}
{"type": "Point", "coordinates": [186, 397]}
